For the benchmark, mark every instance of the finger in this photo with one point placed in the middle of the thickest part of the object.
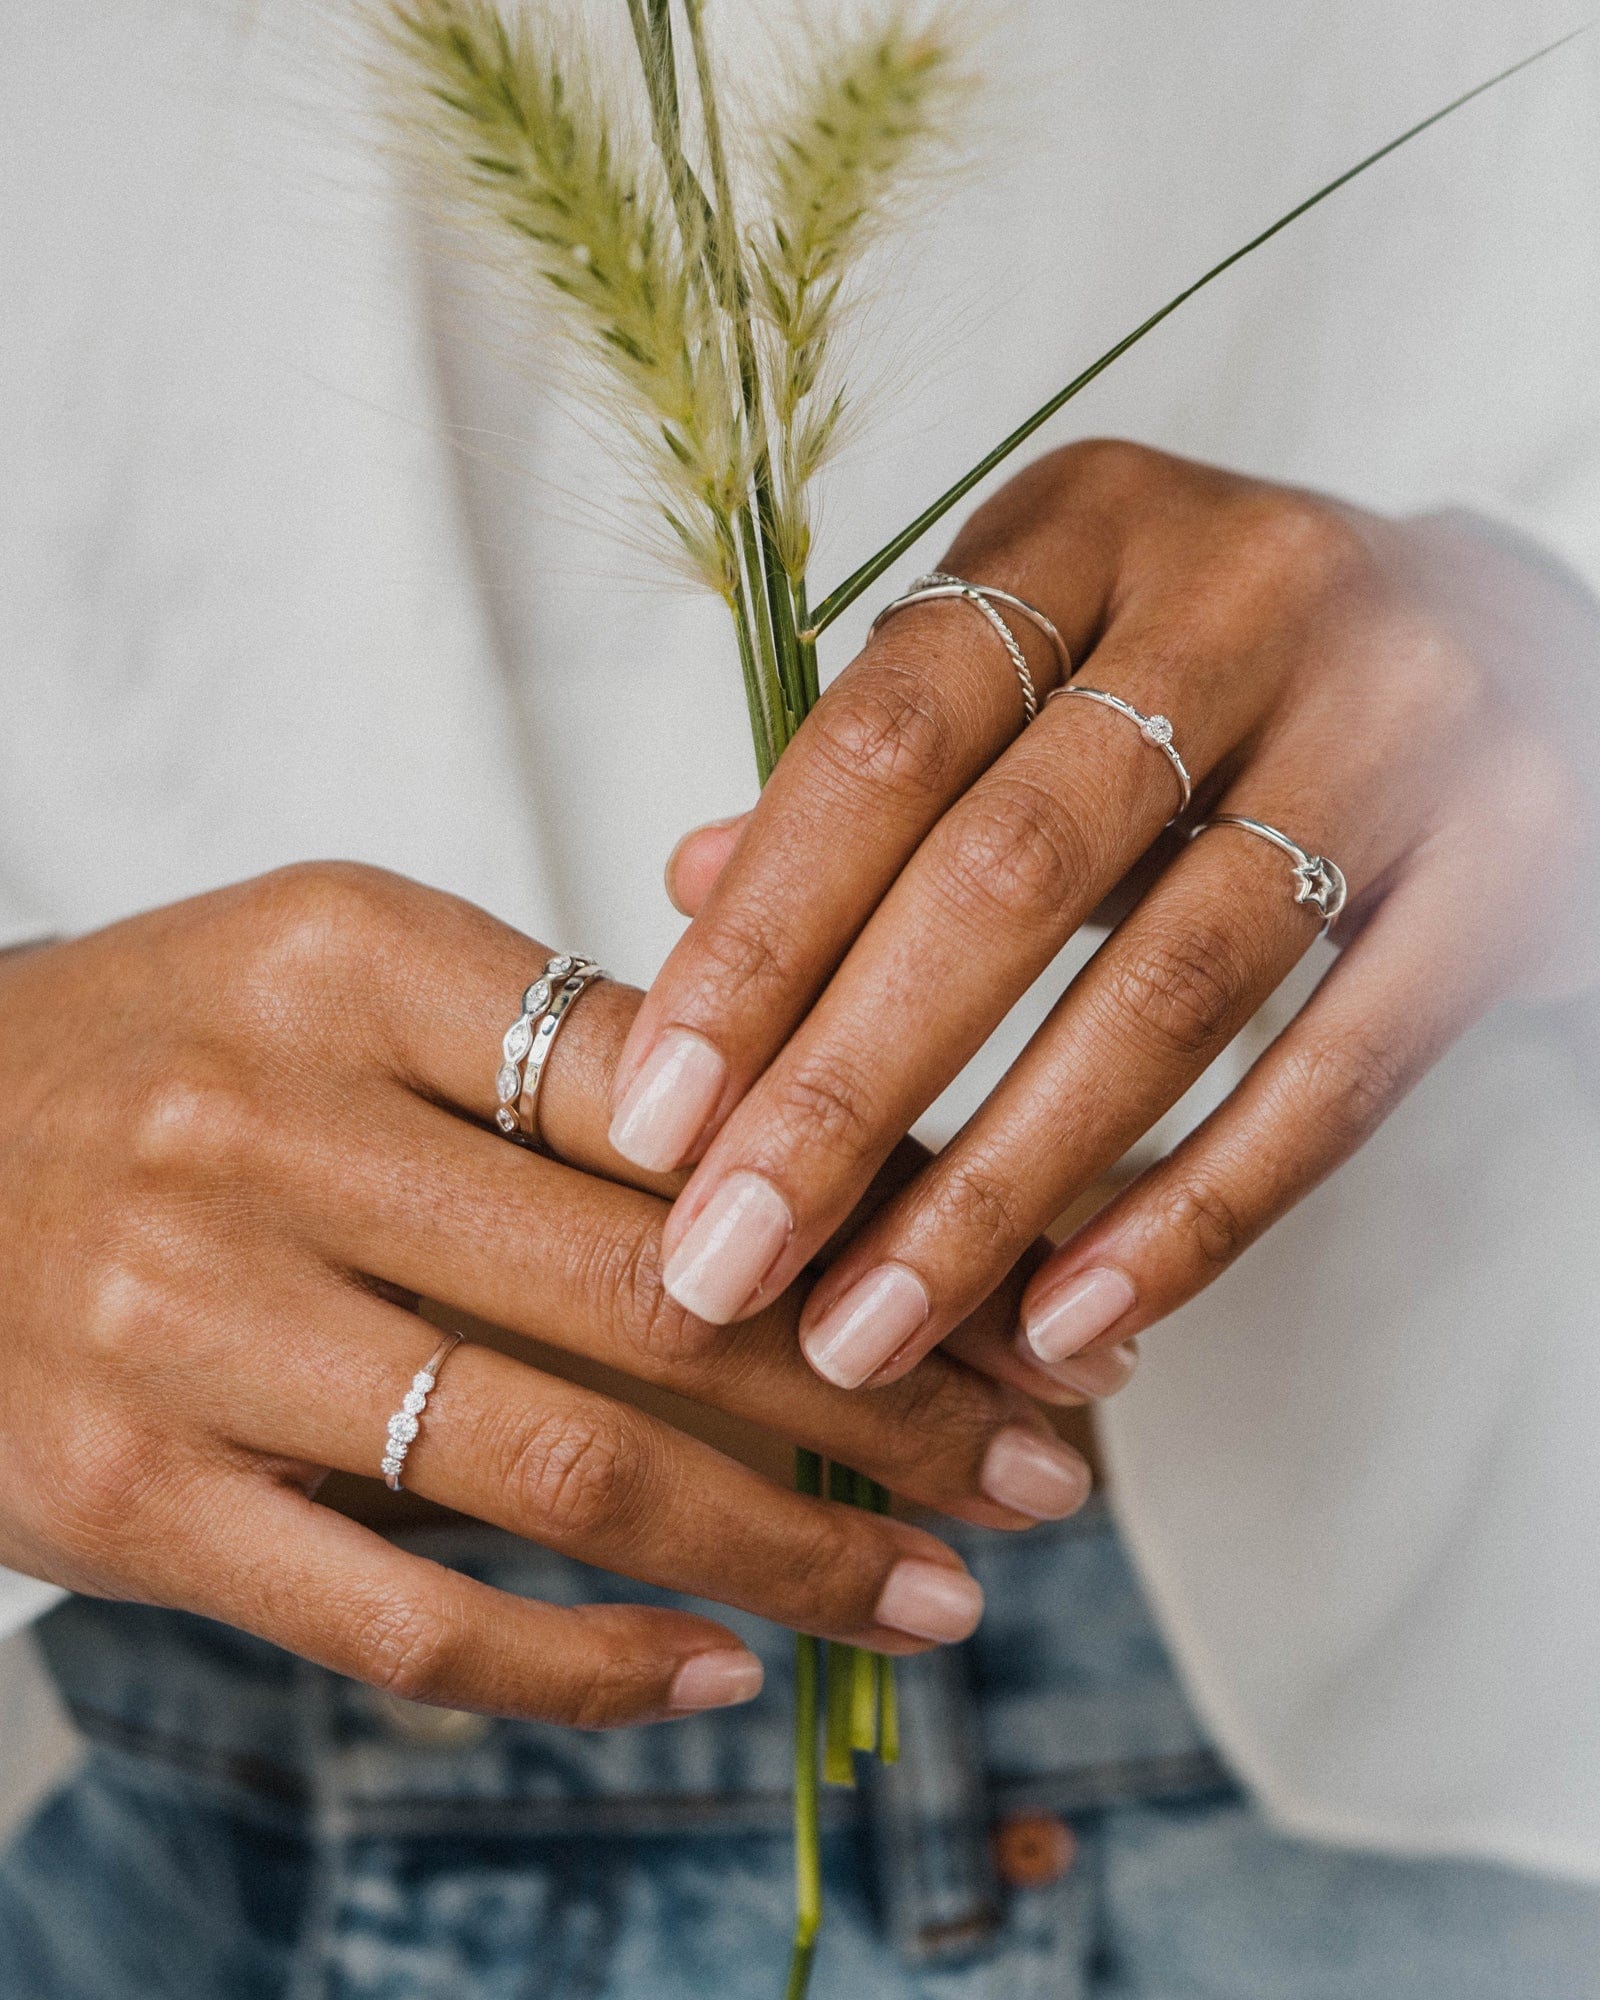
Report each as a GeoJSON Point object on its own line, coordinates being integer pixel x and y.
{"type": "Point", "coordinates": [319, 1585]}
{"type": "Point", "coordinates": [976, 916]}
{"type": "Point", "coordinates": [1170, 988]}
{"type": "Point", "coordinates": [523, 1242]}
{"type": "Point", "coordinates": [1446, 941]}
{"type": "Point", "coordinates": [698, 859]}
{"type": "Point", "coordinates": [900, 735]}
{"type": "Point", "coordinates": [598, 1480]}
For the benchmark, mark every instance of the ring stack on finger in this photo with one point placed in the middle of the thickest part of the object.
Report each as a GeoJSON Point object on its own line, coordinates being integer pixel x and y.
{"type": "Point", "coordinates": [525, 1048]}
{"type": "Point", "coordinates": [983, 597]}
{"type": "Point", "coordinates": [1318, 881]}
{"type": "Point", "coordinates": [1155, 729]}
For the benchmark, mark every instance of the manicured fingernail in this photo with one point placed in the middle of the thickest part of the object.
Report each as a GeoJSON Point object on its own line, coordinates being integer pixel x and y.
{"type": "Point", "coordinates": [1075, 1313]}
{"type": "Point", "coordinates": [667, 1104]}
{"type": "Point", "coordinates": [930, 1601]}
{"type": "Point", "coordinates": [716, 1680]}
{"type": "Point", "coordinates": [874, 1320]}
{"type": "Point", "coordinates": [1034, 1475]}
{"type": "Point", "coordinates": [1102, 1371]}
{"type": "Point", "coordinates": [730, 1247]}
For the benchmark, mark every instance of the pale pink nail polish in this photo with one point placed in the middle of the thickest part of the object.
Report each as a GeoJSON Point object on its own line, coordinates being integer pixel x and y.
{"type": "Point", "coordinates": [1077, 1311]}
{"type": "Point", "coordinates": [716, 1680]}
{"type": "Point", "coordinates": [668, 1103]}
{"type": "Point", "coordinates": [1102, 1371]}
{"type": "Point", "coordinates": [730, 1247]}
{"type": "Point", "coordinates": [930, 1601]}
{"type": "Point", "coordinates": [874, 1320]}
{"type": "Point", "coordinates": [1034, 1475]}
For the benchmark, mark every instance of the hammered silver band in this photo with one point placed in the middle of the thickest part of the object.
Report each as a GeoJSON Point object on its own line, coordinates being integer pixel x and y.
{"type": "Point", "coordinates": [525, 1048]}
{"type": "Point", "coordinates": [1155, 729]}
{"type": "Point", "coordinates": [1319, 882]}
{"type": "Point", "coordinates": [983, 597]}
{"type": "Point", "coordinates": [407, 1420]}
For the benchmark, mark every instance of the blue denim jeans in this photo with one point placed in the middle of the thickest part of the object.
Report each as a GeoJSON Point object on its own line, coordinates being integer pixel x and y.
{"type": "Point", "coordinates": [246, 1827]}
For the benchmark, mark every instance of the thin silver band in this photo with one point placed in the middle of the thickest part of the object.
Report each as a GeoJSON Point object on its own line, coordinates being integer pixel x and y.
{"type": "Point", "coordinates": [1318, 881]}
{"type": "Point", "coordinates": [407, 1420]}
{"type": "Point", "coordinates": [1155, 729]}
{"type": "Point", "coordinates": [983, 597]}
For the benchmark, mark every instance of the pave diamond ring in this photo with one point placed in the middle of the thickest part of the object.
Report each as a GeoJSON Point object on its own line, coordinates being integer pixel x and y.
{"type": "Point", "coordinates": [1155, 729]}
{"type": "Point", "coordinates": [983, 597]}
{"type": "Point", "coordinates": [407, 1420]}
{"type": "Point", "coordinates": [526, 1047]}
{"type": "Point", "coordinates": [1319, 882]}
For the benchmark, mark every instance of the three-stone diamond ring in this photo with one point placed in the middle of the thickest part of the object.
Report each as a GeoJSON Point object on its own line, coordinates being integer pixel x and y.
{"type": "Point", "coordinates": [1155, 729]}
{"type": "Point", "coordinates": [525, 1048]}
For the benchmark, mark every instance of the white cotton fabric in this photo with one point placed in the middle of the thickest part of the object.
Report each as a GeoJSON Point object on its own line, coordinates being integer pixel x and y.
{"type": "Point", "coordinates": [294, 562]}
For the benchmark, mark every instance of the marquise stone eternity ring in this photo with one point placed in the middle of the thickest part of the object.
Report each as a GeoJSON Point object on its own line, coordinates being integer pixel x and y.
{"type": "Point", "coordinates": [525, 1048]}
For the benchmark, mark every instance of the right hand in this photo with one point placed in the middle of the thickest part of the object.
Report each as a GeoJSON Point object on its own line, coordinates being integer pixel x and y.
{"type": "Point", "coordinates": [239, 1138]}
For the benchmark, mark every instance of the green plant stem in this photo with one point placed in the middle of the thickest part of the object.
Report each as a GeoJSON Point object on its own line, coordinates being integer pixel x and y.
{"type": "Point", "coordinates": [810, 691]}
{"type": "Point", "coordinates": [840, 599]}
{"type": "Point", "coordinates": [783, 721]}
{"type": "Point", "coordinates": [807, 1833]}
{"type": "Point", "coordinates": [728, 276]}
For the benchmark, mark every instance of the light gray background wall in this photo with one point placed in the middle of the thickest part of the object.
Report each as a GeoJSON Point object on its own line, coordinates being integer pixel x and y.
{"type": "Point", "coordinates": [37, 1744]}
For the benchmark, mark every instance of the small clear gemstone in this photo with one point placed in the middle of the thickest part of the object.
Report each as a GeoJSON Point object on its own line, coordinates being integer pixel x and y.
{"type": "Point", "coordinates": [403, 1428]}
{"type": "Point", "coordinates": [423, 1380]}
{"type": "Point", "coordinates": [415, 1403]}
{"type": "Point", "coordinates": [508, 1084]}
{"type": "Point", "coordinates": [1157, 729]}
{"type": "Point", "coordinates": [537, 997]}
{"type": "Point", "coordinates": [393, 1467]}
{"type": "Point", "coordinates": [519, 1039]}
{"type": "Point", "coordinates": [505, 1120]}
{"type": "Point", "coordinates": [558, 968]}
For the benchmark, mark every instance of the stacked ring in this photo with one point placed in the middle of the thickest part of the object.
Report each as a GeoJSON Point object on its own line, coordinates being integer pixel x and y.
{"type": "Point", "coordinates": [525, 1048]}
{"type": "Point", "coordinates": [1155, 729]}
{"type": "Point", "coordinates": [1319, 882]}
{"type": "Point", "coordinates": [983, 597]}
{"type": "Point", "coordinates": [407, 1420]}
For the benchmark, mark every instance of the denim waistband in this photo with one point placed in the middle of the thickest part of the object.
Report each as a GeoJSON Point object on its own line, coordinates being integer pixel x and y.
{"type": "Point", "coordinates": [1063, 1702]}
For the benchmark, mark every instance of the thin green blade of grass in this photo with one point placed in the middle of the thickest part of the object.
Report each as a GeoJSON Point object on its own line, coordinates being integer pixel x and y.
{"type": "Point", "coordinates": [845, 595]}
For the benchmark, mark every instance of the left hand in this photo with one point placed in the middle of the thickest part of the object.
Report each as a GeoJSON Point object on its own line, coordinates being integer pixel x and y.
{"type": "Point", "coordinates": [1379, 690]}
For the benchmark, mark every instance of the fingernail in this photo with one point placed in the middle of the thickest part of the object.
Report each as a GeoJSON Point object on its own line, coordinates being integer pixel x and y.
{"type": "Point", "coordinates": [1077, 1312]}
{"type": "Point", "coordinates": [874, 1320]}
{"type": "Point", "coordinates": [731, 1246]}
{"type": "Point", "coordinates": [667, 1104]}
{"type": "Point", "coordinates": [1100, 1372]}
{"type": "Point", "coordinates": [930, 1601]}
{"type": "Point", "coordinates": [716, 1680]}
{"type": "Point", "coordinates": [1034, 1475]}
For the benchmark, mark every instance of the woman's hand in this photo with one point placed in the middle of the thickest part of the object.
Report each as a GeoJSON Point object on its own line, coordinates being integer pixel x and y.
{"type": "Point", "coordinates": [1387, 693]}
{"type": "Point", "coordinates": [238, 1139]}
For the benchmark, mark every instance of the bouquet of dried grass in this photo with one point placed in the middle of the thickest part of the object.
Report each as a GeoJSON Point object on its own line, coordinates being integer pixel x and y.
{"type": "Point", "coordinates": [703, 310]}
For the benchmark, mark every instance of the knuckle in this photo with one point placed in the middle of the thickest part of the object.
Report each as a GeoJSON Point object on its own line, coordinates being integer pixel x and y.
{"type": "Point", "coordinates": [1196, 1213]}
{"type": "Point", "coordinates": [1348, 1081]}
{"type": "Point", "coordinates": [745, 952]}
{"type": "Point", "coordinates": [408, 1648]}
{"type": "Point", "coordinates": [1187, 990]}
{"type": "Point", "coordinates": [575, 1475]}
{"type": "Point", "coordinates": [1108, 466]}
{"type": "Point", "coordinates": [1305, 541]}
{"type": "Point", "coordinates": [936, 1421]}
{"type": "Point", "coordinates": [318, 918]}
{"type": "Point", "coordinates": [125, 1306]}
{"type": "Point", "coordinates": [189, 1125]}
{"type": "Point", "coordinates": [623, 1275]}
{"type": "Point", "coordinates": [612, 1693]}
{"type": "Point", "coordinates": [985, 1204]}
{"type": "Point", "coordinates": [107, 1469]}
{"type": "Point", "coordinates": [1014, 854]}
{"type": "Point", "coordinates": [824, 1103]}
{"type": "Point", "coordinates": [890, 729]}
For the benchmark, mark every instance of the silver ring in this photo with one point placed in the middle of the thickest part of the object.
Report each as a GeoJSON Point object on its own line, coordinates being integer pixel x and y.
{"type": "Point", "coordinates": [1318, 881]}
{"type": "Point", "coordinates": [983, 597]}
{"type": "Point", "coordinates": [1155, 729]}
{"type": "Point", "coordinates": [525, 1048]}
{"type": "Point", "coordinates": [407, 1420]}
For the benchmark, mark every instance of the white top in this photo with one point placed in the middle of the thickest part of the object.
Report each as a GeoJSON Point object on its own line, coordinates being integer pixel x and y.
{"type": "Point", "coordinates": [290, 565]}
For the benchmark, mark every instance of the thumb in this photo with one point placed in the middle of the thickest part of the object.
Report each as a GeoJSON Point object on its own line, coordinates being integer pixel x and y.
{"type": "Point", "coordinates": [698, 859]}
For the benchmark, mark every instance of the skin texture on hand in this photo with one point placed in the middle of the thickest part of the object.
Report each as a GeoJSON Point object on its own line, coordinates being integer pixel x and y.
{"type": "Point", "coordinates": [240, 1137]}
{"type": "Point", "coordinates": [1371, 688]}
